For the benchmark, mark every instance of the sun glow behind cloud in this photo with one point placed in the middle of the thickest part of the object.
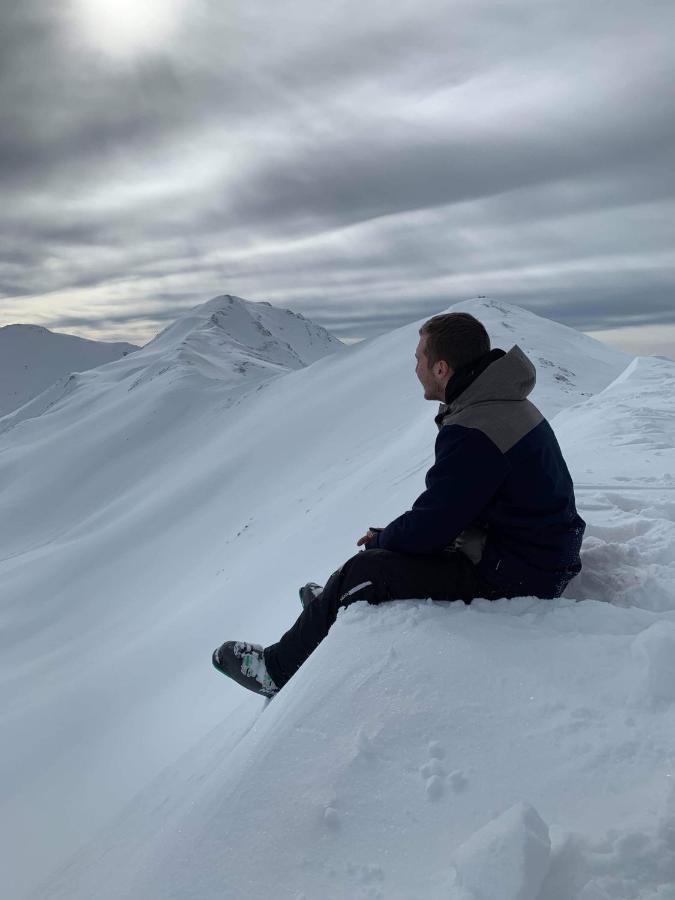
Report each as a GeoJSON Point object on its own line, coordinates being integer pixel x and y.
{"type": "Point", "coordinates": [126, 28]}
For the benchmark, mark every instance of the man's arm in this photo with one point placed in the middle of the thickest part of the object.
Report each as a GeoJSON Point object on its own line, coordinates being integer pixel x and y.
{"type": "Point", "coordinates": [467, 472]}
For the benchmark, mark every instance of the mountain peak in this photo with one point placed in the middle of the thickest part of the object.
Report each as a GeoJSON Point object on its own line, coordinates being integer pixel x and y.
{"type": "Point", "coordinates": [229, 331]}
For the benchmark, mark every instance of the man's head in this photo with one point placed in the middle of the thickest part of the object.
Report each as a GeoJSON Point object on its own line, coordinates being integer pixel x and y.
{"type": "Point", "coordinates": [447, 343]}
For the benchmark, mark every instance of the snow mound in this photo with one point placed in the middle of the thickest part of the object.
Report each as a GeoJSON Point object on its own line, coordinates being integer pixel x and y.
{"type": "Point", "coordinates": [507, 858]}
{"type": "Point", "coordinates": [32, 358]}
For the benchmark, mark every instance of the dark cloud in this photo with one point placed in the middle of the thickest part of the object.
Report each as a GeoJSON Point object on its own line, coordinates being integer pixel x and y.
{"type": "Point", "coordinates": [84, 321]}
{"type": "Point", "coordinates": [365, 165]}
{"type": "Point", "coordinates": [635, 302]}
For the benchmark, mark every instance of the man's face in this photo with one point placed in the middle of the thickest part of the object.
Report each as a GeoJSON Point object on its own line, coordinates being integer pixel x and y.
{"type": "Point", "coordinates": [432, 380]}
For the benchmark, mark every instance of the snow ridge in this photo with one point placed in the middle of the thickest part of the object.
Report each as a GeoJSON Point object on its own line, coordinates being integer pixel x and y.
{"type": "Point", "coordinates": [143, 527]}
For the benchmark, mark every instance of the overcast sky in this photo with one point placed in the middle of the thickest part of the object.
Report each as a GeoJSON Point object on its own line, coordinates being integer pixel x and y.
{"type": "Point", "coordinates": [364, 163]}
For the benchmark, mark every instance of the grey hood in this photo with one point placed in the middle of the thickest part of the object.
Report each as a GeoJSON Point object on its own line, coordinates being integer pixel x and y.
{"type": "Point", "coordinates": [511, 377]}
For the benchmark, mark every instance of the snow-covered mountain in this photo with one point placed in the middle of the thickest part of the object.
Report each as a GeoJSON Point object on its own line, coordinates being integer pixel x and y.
{"type": "Point", "coordinates": [231, 333]}
{"type": "Point", "coordinates": [142, 526]}
{"type": "Point", "coordinates": [228, 344]}
{"type": "Point", "coordinates": [32, 358]}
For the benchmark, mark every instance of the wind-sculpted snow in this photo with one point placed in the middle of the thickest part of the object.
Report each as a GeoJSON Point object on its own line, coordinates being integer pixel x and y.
{"type": "Point", "coordinates": [142, 527]}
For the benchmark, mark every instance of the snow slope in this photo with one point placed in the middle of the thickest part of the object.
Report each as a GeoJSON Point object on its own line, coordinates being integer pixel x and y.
{"type": "Point", "coordinates": [32, 357]}
{"type": "Point", "coordinates": [160, 521]}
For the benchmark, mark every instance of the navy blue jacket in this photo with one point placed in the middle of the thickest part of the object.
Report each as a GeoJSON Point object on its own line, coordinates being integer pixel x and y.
{"type": "Point", "coordinates": [499, 489]}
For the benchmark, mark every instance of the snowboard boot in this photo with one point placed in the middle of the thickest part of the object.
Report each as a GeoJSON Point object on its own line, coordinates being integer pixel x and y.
{"type": "Point", "coordinates": [309, 592]}
{"type": "Point", "coordinates": [245, 664]}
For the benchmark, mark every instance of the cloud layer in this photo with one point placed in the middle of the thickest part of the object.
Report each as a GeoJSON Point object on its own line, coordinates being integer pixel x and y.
{"type": "Point", "coordinates": [366, 164]}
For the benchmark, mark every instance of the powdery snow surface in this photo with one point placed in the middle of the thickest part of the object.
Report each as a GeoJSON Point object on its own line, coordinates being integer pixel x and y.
{"type": "Point", "coordinates": [32, 358]}
{"type": "Point", "coordinates": [520, 749]}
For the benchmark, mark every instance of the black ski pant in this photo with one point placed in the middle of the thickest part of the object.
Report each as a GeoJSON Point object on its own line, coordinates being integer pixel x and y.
{"type": "Point", "coordinates": [375, 576]}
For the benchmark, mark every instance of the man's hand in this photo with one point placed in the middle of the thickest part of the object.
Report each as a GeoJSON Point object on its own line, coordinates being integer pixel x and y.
{"type": "Point", "coordinates": [368, 535]}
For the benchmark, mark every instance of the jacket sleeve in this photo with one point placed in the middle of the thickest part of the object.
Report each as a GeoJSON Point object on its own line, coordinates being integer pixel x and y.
{"type": "Point", "coordinates": [466, 474]}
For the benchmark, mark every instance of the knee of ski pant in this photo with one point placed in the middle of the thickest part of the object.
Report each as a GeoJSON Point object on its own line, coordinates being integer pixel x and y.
{"type": "Point", "coordinates": [363, 579]}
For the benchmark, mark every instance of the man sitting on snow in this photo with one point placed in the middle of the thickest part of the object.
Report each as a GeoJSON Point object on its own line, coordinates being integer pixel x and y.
{"type": "Point", "coordinates": [497, 518]}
